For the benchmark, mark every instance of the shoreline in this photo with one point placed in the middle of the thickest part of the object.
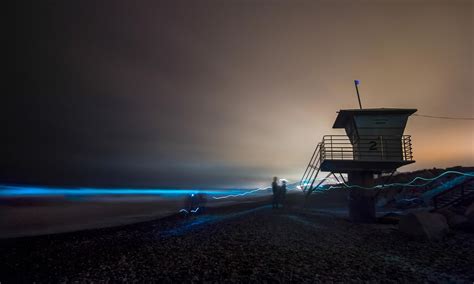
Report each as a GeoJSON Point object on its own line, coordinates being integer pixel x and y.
{"type": "Point", "coordinates": [29, 216]}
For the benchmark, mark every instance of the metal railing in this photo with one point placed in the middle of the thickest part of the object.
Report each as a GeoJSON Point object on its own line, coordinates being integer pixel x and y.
{"type": "Point", "coordinates": [312, 170]}
{"type": "Point", "coordinates": [369, 148]}
{"type": "Point", "coordinates": [453, 195]}
{"type": "Point", "coordinates": [363, 148]}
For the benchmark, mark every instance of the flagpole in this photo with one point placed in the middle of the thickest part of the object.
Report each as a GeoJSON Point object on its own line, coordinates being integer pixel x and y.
{"type": "Point", "coordinates": [356, 83]}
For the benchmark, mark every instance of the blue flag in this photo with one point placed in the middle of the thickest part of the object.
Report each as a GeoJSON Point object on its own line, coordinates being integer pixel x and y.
{"type": "Point", "coordinates": [356, 82]}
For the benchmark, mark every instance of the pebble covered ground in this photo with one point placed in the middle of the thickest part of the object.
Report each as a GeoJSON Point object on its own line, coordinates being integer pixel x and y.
{"type": "Point", "coordinates": [239, 245]}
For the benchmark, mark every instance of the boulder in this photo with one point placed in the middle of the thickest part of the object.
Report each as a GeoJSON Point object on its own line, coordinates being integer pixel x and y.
{"type": "Point", "coordinates": [454, 219]}
{"type": "Point", "coordinates": [407, 203]}
{"type": "Point", "coordinates": [381, 202]}
{"type": "Point", "coordinates": [426, 225]}
{"type": "Point", "coordinates": [389, 218]}
{"type": "Point", "coordinates": [468, 226]}
{"type": "Point", "coordinates": [446, 213]}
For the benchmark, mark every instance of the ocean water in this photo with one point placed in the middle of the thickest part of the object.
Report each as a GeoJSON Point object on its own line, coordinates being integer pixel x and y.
{"type": "Point", "coordinates": [124, 194]}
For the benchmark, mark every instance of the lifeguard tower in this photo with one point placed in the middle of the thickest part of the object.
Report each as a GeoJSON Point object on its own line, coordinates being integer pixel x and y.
{"type": "Point", "coordinates": [374, 144]}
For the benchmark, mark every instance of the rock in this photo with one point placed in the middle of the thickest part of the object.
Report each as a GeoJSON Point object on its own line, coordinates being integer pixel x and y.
{"type": "Point", "coordinates": [431, 226]}
{"type": "Point", "coordinates": [389, 218]}
{"type": "Point", "coordinates": [381, 202]}
{"type": "Point", "coordinates": [454, 220]}
{"type": "Point", "coordinates": [467, 226]}
{"type": "Point", "coordinates": [407, 203]}
{"type": "Point", "coordinates": [461, 222]}
{"type": "Point", "coordinates": [446, 213]}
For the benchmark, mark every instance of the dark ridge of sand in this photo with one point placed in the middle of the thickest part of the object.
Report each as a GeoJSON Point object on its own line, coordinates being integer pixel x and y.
{"type": "Point", "coordinates": [244, 243]}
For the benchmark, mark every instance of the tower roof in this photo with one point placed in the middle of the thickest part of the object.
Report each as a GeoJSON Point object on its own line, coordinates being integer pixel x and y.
{"type": "Point", "coordinates": [344, 115]}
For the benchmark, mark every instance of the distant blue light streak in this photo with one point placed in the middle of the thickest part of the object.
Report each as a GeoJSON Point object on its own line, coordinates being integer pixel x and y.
{"type": "Point", "coordinates": [250, 191]}
{"type": "Point", "coordinates": [242, 194]}
{"type": "Point", "coordinates": [411, 183]}
{"type": "Point", "coordinates": [308, 182]}
{"type": "Point", "coordinates": [321, 186]}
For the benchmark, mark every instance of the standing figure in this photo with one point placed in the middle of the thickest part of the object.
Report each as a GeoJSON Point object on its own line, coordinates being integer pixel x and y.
{"type": "Point", "coordinates": [188, 205]}
{"type": "Point", "coordinates": [202, 202]}
{"type": "Point", "coordinates": [276, 192]}
{"type": "Point", "coordinates": [283, 194]}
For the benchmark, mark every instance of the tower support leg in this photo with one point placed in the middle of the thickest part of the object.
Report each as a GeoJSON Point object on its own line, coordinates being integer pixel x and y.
{"type": "Point", "coordinates": [361, 201]}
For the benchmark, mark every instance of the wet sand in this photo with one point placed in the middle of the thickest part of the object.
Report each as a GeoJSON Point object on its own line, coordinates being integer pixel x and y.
{"type": "Point", "coordinates": [31, 216]}
{"type": "Point", "coordinates": [38, 216]}
{"type": "Point", "coordinates": [241, 243]}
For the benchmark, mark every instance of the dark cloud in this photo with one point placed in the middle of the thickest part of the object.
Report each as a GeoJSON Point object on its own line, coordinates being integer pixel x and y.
{"type": "Point", "coordinates": [224, 93]}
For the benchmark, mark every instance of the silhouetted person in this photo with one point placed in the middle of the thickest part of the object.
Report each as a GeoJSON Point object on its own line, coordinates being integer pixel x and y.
{"type": "Point", "coordinates": [191, 204]}
{"type": "Point", "coordinates": [283, 194]}
{"type": "Point", "coordinates": [276, 192]}
{"type": "Point", "coordinates": [202, 202]}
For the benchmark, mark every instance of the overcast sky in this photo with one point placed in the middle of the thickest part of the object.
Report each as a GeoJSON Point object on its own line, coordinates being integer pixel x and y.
{"type": "Point", "coordinates": [225, 93]}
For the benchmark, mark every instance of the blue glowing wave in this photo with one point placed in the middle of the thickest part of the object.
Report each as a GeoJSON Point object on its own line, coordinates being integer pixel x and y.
{"type": "Point", "coordinates": [13, 191]}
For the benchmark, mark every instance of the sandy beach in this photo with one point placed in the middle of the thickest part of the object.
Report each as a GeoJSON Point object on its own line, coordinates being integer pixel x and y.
{"type": "Point", "coordinates": [248, 242]}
